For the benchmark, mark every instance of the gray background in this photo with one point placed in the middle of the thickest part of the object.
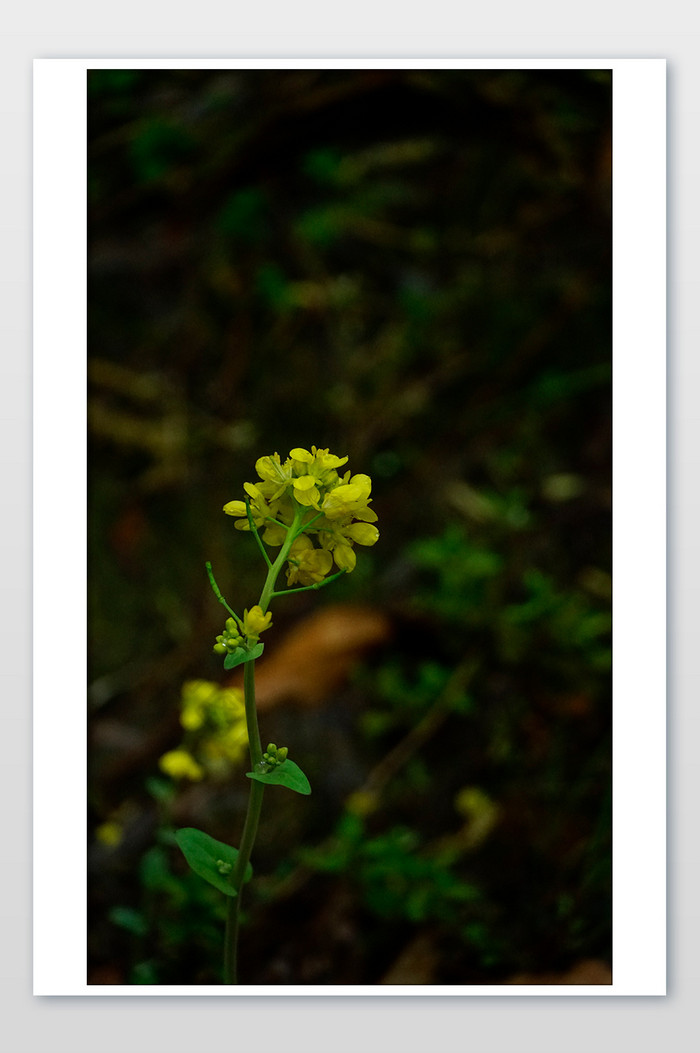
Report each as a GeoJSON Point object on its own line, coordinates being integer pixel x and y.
{"type": "Point", "coordinates": [486, 1025]}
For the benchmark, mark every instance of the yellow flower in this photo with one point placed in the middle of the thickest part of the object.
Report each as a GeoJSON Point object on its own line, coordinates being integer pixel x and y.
{"type": "Point", "coordinates": [255, 622]}
{"type": "Point", "coordinates": [261, 513]}
{"type": "Point", "coordinates": [179, 764]}
{"type": "Point", "coordinates": [362, 533]}
{"type": "Point", "coordinates": [215, 732]}
{"type": "Point", "coordinates": [109, 833]}
{"type": "Point", "coordinates": [302, 457]}
{"type": "Point", "coordinates": [338, 537]}
{"type": "Point", "coordinates": [317, 462]}
{"type": "Point", "coordinates": [225, 748]}
{"type": "Point", "coordinates": [198, 696]}
{"type": "Point", "coordinates": [306, 491]}
{"type": "Point", "coordinates": [307, 565]}
{"type": "Point", "coordinates": [309, 478]}
{"type": "Point", "coordinates": [305, 477]}
{"type": "Point", "coordinates": [349, 499]}
{"type": "Point", "coordinates": [271, 470]}
{"type": "Point", "coordinates": [344, 556]}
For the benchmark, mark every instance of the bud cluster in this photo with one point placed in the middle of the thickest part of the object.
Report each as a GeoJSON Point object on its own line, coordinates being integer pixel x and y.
{"type": "Point", "coordinates": [242, 633]}
{"type": "Point", "coordinates": [274, 756]}
{"type": "Point", "coordinates": [230, 639]}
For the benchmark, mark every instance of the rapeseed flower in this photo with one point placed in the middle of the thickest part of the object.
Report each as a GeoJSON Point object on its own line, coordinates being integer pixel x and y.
{"type": "Point", "coordinates": [180, 764]}
{"type": "Point", "coordinates": [338, 515]}
{"type": "Point", "coordinates": [216, 737]}
{"type": "Point", "coordinates": [307, 565]}
{"type": "Point", "coordinates": [255, 622]}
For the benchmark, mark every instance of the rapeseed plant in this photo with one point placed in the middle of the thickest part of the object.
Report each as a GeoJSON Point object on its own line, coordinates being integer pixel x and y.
{"type": "Point", "coordinates": [315, 516]}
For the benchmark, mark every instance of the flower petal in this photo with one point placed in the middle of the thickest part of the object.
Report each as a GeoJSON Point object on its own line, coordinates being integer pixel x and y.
{"type": "Point", "coordinates": [362, 533]}
{"type": "Point", "coordinates": [235, 508]}
{"type": "Point", "coordinates": [345, 558]}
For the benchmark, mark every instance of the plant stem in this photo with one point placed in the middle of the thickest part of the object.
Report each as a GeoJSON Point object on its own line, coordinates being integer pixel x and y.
{"type": "Point", "coordinates": [217, 591]}
{"type": "Point", "coordinates": [250, 829]}
{"type": "Point", "coordinates": [308, 588]}
{"type": "Point", "coordinates": [254, 532]}
{"type": "Point", "coordinates": [274, 571]}
{"type": "Point", "coordinates": [251, 714]}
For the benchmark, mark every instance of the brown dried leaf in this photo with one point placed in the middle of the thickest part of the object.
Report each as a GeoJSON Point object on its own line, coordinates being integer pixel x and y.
{"type": "Point", "coordinates": [315, 658]}
{"type": "Point", "coordinates": [589, 971]}
{"type": "Point", "coordinates": [416, 964]}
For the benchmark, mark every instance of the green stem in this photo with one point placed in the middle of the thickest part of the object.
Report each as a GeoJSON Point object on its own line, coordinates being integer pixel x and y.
{"type": "Point", "coordinates": [252, 819]}
{"type": "Point", "coordinates": [312, 521]}
{"type": "Point", "coordinates": [251, 714]}
{"type": "Point", "coordinates": [254, 531]}
{"type": "Point", "coordinates": [271, 519]}
{"type": "Point", "coordinates": [308, 588]}
{"type": "Point", "coordinates": [250, 829]}
{"type": "Point", "coordinates": [217, 591]}
{"type": "Point", "coordinates": [233, 914]}
{"type": "Point", "coordinates": [274, 571]}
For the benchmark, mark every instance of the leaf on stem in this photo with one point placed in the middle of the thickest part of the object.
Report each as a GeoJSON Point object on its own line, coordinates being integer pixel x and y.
{"type": "Point", "coordinates": [286, 774]}
{"type": "Point", "coordinates": [210, 859]}
{"type": "Point", "coordinates": [241, 655]}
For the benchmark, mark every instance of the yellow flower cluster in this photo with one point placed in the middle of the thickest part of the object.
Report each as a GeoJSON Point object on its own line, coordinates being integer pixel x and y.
{"type": "Point", "coordinates": [179, 764]}
{"type": "Point", "coordinates": [335, 511]}
{"type": "Point", "coordinates": [216, 738]}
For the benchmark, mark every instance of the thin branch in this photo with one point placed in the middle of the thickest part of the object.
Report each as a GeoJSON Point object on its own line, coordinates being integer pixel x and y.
{"type": "Point", "coordinates": [308, 588]}
{"type": "Point", "coordinates": [254, 531]}
{"type": "Point", "coordinates": [217, 591]}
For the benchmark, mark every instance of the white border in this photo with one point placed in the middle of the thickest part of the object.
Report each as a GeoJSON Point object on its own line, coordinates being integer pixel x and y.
{"type": "Point", "coordinates": [60, 526]}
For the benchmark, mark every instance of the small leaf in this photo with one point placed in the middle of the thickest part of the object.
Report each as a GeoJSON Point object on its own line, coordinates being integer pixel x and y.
{"type": "Point", "coordinates": [241, 655]}
{"type": "Point", "coordinates": [286, 774]}
{"type": "Point", "coordinates": [208, 858]}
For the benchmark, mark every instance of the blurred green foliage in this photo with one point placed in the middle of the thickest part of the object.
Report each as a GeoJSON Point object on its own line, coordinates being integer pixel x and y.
{"type": "Point", "coordinates": [411, 267]}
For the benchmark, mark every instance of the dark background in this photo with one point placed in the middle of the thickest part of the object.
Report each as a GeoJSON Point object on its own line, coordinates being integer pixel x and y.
{"type": "Point", "coordinates": [411, 268]}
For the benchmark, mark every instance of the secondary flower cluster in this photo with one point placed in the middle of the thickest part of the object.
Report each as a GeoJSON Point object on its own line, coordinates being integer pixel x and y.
{"type": "Point", "coordinates": [332, 511]}
{"type": "Point", "coordinates": [274, 756]}
{"type": "Point", "coordinates": [237, 634]}
{"type": "Point", "coordinates": [216, 738]}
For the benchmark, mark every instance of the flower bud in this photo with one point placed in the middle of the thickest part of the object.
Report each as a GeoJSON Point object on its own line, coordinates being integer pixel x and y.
{"type": "Point", "coordinates": [345, 558]}
{"type": "Point", "coordinates": [362, 533]}
{"type": "Point", "coordinates": [255, 622]}
{"type": "Point", "coordinates": [235, 508]}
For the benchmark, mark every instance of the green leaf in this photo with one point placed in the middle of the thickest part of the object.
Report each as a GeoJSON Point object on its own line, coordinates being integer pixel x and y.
{"type": "Point", "coordinates": [286, 774]}
{"type": "Point", "coordinates": [208, 858]}
{"type": "Point", "coordinates": [241, 655]}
